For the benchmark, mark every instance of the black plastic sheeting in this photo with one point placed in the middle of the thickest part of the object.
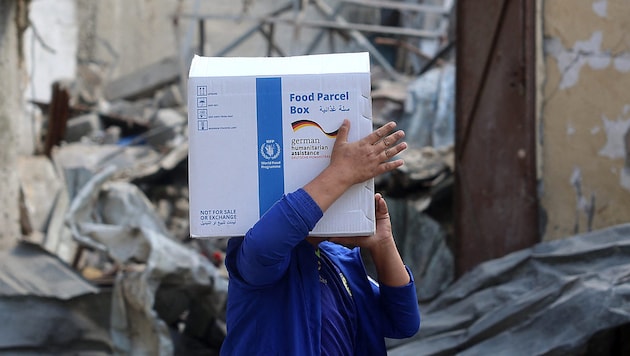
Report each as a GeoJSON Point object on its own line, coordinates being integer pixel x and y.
{"type": "Point", "coordinates": [546, 300]}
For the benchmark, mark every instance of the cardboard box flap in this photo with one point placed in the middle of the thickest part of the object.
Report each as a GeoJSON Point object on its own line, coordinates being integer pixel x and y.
{"type": "Point", "coordinates": [337, 63]}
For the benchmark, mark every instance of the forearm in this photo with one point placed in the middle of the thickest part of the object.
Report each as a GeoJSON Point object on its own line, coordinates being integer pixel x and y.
{"type": "Point", "coordinates": [396, 291]}
{"type": "Point", "coordinates": [355, 162]}
{"type": "Point", "coordinates": [390, 268]}
{"type": "Point", "coordinates": [326, 188]}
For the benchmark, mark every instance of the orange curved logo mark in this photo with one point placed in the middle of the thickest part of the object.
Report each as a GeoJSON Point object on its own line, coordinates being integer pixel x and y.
{"type": "Point", "coordinates": [304, 123]}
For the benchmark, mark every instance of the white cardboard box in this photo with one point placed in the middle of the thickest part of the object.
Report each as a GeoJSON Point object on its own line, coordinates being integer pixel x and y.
{"type": "Point", "coordinates": [263, 127]}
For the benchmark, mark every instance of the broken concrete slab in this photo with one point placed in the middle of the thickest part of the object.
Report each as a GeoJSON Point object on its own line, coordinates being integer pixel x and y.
{"type": "Point", "coordinates": [426, 171]}
{"type": "Point", "coordinates": [396, 91]}
{"type": "Point", "coordinates": [132, 117]}
{"type": "Point", "coordinates": [130, 161]}
{"type": "Point", "coordinates": [84, 125]}
{"type": "Point", "coordinates": [169, 97]}
{"type": "Point", "coordinates": [116, 218]}
{"type": "Point", "coordinates": [40, 184]}
{"type": "Point", "coordinates": [45, 201]}
{"type": "Point", "coordinates": [169, 124]}
{"type": "Point", "coordinates": [145, 81]}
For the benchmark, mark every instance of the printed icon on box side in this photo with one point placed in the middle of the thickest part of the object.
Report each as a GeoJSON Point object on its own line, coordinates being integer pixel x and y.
{"type": "Point", "coordinates": [202, 125]}
{"type": "Point", "coordinates": [202, 102]}
{"type": "Point", "coordinates": [202, 90]}
{"type": "Point", "coordinates": [202, 114]}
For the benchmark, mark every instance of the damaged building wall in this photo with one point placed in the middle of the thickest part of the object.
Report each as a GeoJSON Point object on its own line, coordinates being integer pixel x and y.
{"type": "Point", "coordinates": [118, 37]}
{"type": "Point", "coordinates": [585, 117]}
{"type": "Point", "coordinates": [49, 45]}
{"type": "Point", "coordinates": [121, 36]}
{"type": "Point", "coordinates": [10, 108]}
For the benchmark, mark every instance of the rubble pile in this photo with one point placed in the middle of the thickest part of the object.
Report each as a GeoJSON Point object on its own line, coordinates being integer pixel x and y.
{"type": "Point", "coordinates": [107, 200]}
{"type": "Point", "coordinates": [106, 264]}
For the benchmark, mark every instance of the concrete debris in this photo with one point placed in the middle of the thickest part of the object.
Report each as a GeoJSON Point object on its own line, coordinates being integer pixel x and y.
{"type": "Point", "coordinates": [169, 97]}
{"type": "Point", "coordinates": [395, 91]}
{"type": "Point", "coordinates": [106, 252]}
{"type": "Point", "coordinates": [40, 185]}
{"type": "Point", "coordinates": [425, 170]}
{"type": "Point", "coordinates": [169, 125]}
{"type": "Point", "coordinates": [145, 81]}
{"type": "Point", "coordinates": [111, 202]}
{"type": "Point", "coordinates": [81, 126]}
{"type": "Point", "coordinates": [136, 114]}
{"type": "Point", "coordinates": [106, 265]}
{"type": "Point", "coordinates": [429, 112]}
{"type": "Point", "coordinates": [44, 203]}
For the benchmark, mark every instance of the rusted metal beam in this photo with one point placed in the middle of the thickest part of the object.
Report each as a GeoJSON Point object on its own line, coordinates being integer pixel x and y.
{"type": "Point", "coordinates": [57, 116]}
{"type": "Point", "coordinates": [496, 203]}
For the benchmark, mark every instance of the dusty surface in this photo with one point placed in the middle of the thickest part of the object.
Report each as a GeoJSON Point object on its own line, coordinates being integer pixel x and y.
{"type": "Point", "coordinates": [585, 115]}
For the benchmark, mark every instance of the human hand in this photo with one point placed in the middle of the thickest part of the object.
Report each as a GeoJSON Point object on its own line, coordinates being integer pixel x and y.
{"type": "Point", "coordinates": [356, 162]}
{"type": "Point", "coordinates": [390, 268]}
{"type": "Point", "coordinates": [383, 234]}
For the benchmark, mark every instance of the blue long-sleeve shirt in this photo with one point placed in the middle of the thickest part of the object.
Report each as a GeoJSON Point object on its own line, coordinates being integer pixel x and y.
{"type": "Point", "coordinates": [274, 301]}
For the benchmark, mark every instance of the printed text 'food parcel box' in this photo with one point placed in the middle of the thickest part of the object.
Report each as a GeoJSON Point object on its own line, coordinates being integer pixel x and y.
{"type": "Point", "coordinates": [263, 127]}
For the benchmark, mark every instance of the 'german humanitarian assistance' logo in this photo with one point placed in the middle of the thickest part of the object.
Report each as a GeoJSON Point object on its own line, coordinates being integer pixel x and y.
{"type": "Point", "coordinates": [304, 123]}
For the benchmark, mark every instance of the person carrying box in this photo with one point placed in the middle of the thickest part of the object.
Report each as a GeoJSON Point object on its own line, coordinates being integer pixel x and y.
{"type": "Point", "coordinates": [294, 294]}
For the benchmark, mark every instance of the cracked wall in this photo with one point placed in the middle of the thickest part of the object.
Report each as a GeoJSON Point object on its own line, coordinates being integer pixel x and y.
{"type": "Point", "coordinates": [585, 116]}
{"type": "Point", "coordinates": [10, 65]}
{"type": "Point", "coordinates": [118, 37]}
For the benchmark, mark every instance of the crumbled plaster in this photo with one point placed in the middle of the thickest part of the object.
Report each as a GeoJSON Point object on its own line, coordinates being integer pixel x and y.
{"type": "Point", "coordinates": [625, 172]}
{"type": "Point", "coordinates": [625, 178]}
{"type": "Point", "coordinates": [584, 117]}
{"type": "Point", "coordinates": [615, 130]}
{"type": "Point", "coordinates": [570, 61]}
{"type": "Point", "coordinates": [601, 8]}
{"type": "Point", "coordinates": [584, 205]}
{"type": "Point", "coordinates": [622, 63]}
{"type": "Point", "coordinates": [617, 144]}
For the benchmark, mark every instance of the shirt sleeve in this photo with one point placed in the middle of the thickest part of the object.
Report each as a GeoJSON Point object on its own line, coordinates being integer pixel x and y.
{"type": "Point", "coordinates": [264, 254]}
{"type": "Point", "coordinates": [400, 309]}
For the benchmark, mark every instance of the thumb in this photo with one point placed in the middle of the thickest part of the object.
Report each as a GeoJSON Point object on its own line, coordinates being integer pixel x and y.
{"type": "Point", "coordinates": [381, 204]}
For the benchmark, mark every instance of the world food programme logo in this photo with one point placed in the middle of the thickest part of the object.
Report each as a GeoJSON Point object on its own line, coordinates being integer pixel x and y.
{"type": "Point", "coordinates": [270, 149]}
